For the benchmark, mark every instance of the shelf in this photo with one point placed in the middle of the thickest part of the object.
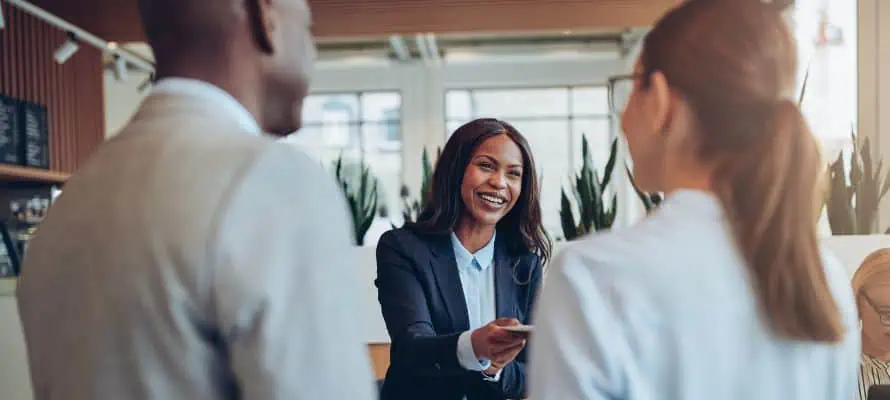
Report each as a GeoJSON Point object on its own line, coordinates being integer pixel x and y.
{"type": "Point", "coordinates": [12, 173]}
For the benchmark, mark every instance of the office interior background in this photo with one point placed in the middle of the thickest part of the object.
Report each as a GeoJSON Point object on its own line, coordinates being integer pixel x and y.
{"type": "Point", "coordinates": [382, 99]}
{"type": "Point", "coordinates": [395, 77]}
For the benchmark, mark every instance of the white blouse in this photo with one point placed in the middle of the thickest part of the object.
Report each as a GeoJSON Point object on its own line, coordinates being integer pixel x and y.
{"type": "Point", "coordinates": [665, 310]}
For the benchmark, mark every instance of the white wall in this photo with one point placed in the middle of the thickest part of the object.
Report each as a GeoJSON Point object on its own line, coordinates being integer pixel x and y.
{"type": "Point", "coordinates": [874, 87]}
{"type": "Point", "coordinates": [121, 100]}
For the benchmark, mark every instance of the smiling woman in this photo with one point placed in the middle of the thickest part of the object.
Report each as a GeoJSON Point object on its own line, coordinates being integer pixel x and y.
{"type": "Point", "coordinates": [449, 284]}
{"type": "Point", "coordinates": [487, 157]}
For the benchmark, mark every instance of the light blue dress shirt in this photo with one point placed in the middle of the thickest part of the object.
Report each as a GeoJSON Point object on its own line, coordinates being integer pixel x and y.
{"type": "Point", "coordinates": [477, 279]}
{"type": "Point", "coordinates": [665, 310]}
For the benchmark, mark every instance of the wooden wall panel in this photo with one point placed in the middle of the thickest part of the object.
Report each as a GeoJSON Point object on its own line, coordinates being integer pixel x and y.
{"type": "Point", "coordinates": [72, 92]}
{"type": "Point", "coordinates": [118, 20]}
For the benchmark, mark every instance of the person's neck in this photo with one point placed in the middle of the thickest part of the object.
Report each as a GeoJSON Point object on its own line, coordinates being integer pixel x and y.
{"type": "Point", "coordinates": [874, 348]}
{"type": "Point", "coordinates": [473, 235]}
{"type": "Point", "coordinates": [700, 182]}
{"type": "Point", "coordinates": [242, 89]}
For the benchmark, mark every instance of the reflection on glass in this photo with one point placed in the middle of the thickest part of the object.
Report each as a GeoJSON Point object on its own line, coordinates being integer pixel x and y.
{"type": "Point", "coordinates": [458, 105]}
{"type": "Point", "coordinates": [589, 101]}
{"type": "Point", "coordinates": [619, 91]}
{"type": "Point", "coordinates": [523, 103]}
{"type": "Point", "coordinates": [549, 141]}
{"type": "Point", "coordinates": [598, 138]}
{"type": "Point", "coordinates": [382, 136]}
{"type": "Point", "coordinates": [381, 106]}
{"type": "Point", "coordinates": [317, 107]}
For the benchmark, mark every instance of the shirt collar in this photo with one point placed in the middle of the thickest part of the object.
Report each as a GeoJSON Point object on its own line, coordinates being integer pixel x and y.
{"type": "Point", "coordinates": [463, 257]}
{"type": "Point", "coordinates": [701, 202]}
{"type": "Point", "coordinates": [212, 94]}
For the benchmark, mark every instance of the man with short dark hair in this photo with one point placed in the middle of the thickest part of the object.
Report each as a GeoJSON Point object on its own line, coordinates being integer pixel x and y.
{"type": "Point", "coordinates": [195, 256]}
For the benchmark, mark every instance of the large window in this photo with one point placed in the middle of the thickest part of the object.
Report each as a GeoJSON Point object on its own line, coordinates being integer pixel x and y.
{"type": "Point", "coordinates": [363, 127]}
{"type": "Point", "coordinates": [553, 120]}
{"type": "Point", "coordinates": [827, 49]}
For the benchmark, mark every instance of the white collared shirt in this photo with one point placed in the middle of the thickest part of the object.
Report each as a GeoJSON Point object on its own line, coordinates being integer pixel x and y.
{"type": "Point", "coordinates": [477, 281]}
{"type": "Point", "coordinates": [665, 310]}
{"type": "Point", "coordinates": [213, 94]}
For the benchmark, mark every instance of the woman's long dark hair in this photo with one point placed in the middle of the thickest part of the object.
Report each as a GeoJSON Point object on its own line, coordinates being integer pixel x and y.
{"type": "Point", "coordinates": [521, 228]}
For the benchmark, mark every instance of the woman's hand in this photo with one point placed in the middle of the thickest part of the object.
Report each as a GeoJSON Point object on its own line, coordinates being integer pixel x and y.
{"type": "Point", "coordinates": [493, 342]}
{"type": "Point", "coordinates": [503, 359]}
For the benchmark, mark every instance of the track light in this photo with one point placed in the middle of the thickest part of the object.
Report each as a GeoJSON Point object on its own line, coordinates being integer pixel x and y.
{"type": "Point", "coordinates": [146, 84]}
{"type": "Point", "coordinates": [120, 68]}
{"type": "Point", "coordinates": [399, 47]}
{"type": "Point", "coordinates": [67, 49]}
{"type": "Point", "coordinates": [420, 41]}
{"type": "Point", "coordinates": [433, 48]}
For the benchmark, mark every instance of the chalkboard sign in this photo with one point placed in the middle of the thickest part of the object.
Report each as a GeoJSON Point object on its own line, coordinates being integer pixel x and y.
{"type": "Point", "coordinates": [10, 122]}
{"type": "Point", "coordinates": [35, 135]}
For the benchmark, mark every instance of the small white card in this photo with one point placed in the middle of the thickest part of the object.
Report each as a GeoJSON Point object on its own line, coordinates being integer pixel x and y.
{"type": "Point", "coordinates": [520, 328]}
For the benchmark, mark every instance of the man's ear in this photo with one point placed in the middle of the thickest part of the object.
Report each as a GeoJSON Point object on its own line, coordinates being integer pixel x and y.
{"type": "Point", "coordinates": [262, 23]}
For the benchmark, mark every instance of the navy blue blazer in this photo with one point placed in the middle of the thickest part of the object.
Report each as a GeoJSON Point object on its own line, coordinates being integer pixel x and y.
{"type": "Point", "coordinates": [423, 304]}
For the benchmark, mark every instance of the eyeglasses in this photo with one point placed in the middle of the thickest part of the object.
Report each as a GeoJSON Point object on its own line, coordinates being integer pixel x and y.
{"type": "Point", "coordinates": [620, 87]}
{"type": "Point", "coordinates": [883, 311]}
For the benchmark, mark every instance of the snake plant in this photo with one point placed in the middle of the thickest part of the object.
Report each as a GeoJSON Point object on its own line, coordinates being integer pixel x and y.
{"type": "Point", "coordinates": [362, 199]}
{"type": "Point", "coordinates": [854, 195]}
{"type": "Point", "coordinates": [411, 208]}
{"type": "Point", "coordinates": [650, 201]}
{"type": "Point", "coordinates": [595, 211]}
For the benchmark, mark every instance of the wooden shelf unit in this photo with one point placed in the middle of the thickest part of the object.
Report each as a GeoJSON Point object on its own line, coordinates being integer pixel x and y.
{"type": "Point", "coordinates": [13, 173]}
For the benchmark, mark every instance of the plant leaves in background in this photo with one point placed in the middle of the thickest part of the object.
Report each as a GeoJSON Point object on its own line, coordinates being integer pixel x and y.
{"type": "Point", "coordinates": [362, 201]}
{"type": "Point", "coordinates": [854, 196]}
{"type": "Point", "coordinates": [650, 201]}
{"type": "Point", "coordinates": [595, 212]}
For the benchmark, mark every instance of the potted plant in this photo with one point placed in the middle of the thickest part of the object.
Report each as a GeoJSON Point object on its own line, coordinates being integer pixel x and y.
{"type": "Point", "coordinates": [360, 188]}
{"type": "Point", "coordinates": [411, 208]}
{"type": "Point", "coordinates": [855, 194]}
{"type": "Point", "coordinates": [594, 208]}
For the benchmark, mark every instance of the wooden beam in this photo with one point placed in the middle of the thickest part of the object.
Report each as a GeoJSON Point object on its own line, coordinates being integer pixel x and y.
{"type": "Point", "coordinates": [118, 20]}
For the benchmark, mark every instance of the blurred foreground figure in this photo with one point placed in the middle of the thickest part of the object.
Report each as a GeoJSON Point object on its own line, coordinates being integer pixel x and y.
{"type": "Point", "coordinates": [194, 257]}
{"type": "Point", "coordinates": [723, 293]}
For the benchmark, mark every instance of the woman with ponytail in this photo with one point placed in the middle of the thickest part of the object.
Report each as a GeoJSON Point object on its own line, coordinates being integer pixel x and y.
{"type": "Point", "coordinates": [724, 292]}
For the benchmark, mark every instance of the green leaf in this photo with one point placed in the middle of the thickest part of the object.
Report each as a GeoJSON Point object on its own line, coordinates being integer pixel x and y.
{"type": "Point", "coordinates": [803, 88]}
{"type": "Point", "coordinates": [567, 219]}
{"type": "Point", "coordinates": [610, 165]}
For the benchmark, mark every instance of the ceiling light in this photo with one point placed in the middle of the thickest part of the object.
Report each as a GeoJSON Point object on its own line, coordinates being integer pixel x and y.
{"type": "Point", "coordinates": [399, 47]}
{"type": "Point", "coordinates": [422, 47]}
{"type": "Point", "coordinates": [147, 83]}
{"type": "Point", "coordinates": [120, 68]}
{"type": "Point", "coordinates": [67, 49]}
{"type": "Point", "coordinates": [433, 48]}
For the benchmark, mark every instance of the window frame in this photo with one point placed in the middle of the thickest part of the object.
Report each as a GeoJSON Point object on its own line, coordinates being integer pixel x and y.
{"type": "Point", "coordinates": [570, 116]}
{"type": "Point", "coordinates": [360, 121]}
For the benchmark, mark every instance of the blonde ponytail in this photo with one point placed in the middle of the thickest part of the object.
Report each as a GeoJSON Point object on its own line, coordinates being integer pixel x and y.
{"type": "Point", "coordinates": [769, 191]}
